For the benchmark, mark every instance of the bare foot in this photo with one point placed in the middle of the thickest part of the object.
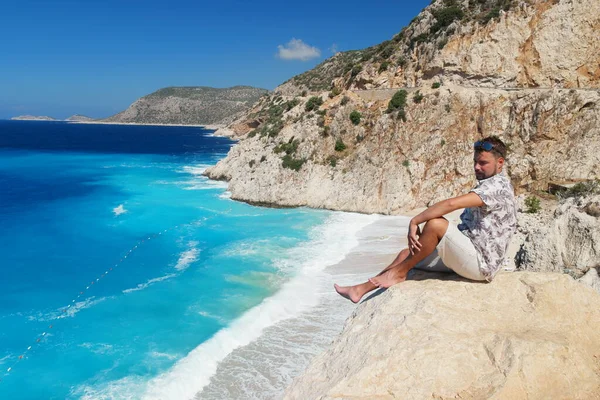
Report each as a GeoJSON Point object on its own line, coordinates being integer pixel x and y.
{"type": "Point", "coordinates": [388, 278]}
{"type": "Point", "coordinates": [349, 292]}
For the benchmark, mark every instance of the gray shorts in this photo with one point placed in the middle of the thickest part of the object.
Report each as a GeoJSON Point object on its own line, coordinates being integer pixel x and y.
{"type": "Point", "coordinates": [455, 252]}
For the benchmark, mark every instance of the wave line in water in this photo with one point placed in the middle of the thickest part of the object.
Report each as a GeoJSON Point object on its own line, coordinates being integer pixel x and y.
{"type": "Point", "coordinates": [148, 283]}
{"type": "Point", "coordinates": [327, 247]}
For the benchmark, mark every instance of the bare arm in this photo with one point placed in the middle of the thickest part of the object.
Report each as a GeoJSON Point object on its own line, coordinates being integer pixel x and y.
{"type": "Point", "coordinates": [447, 206]}
{"type": "Point", "coordinates": [436, 211]}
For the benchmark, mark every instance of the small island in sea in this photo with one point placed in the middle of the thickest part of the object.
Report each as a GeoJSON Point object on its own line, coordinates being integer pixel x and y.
{"type": "Point", "coordinates": [79, 118]}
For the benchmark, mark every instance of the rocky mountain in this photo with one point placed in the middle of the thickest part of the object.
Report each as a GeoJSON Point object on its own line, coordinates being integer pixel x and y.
{"type": "Point", "coordinates": [32, 118]}
{"type": "Point", "coordinates": [190, 106]}
{"type": "Point", "coordinates": [390, 128]}
{"type": "Point", "coordinates": [79, 118]}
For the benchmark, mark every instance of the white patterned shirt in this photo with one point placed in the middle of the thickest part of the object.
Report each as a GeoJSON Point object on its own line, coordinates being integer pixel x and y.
{"type": "Point", "coordinates": [491, 226]}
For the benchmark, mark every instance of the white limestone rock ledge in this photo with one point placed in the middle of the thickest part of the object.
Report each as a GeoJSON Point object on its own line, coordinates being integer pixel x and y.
{"type": "Point", "coordinates": [568, 240]}
{"type": "Point", "coordinates": [526, 335]}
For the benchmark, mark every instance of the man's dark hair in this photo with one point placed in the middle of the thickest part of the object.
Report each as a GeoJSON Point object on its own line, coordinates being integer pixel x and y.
{"type": "Point", "coordinates": [499, 148]}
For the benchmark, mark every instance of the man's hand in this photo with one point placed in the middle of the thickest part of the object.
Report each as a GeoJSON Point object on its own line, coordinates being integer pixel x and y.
{"type": "Point", "coordinates": [414, 232]}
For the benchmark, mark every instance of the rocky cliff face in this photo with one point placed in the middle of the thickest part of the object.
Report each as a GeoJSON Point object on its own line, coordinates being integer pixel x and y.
{"type": "Point", "coordinates": [389, 165]}
{"type": "Point", "coordinates": [190, 106]}
{"type": "Point", "coordinates": [568, 240]}
{"type": "Point", "coordinates": [527, 72]}
{"type": "Point", "coordinates": [524, 336]}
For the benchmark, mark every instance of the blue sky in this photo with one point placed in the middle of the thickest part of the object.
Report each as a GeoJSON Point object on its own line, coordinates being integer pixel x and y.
{"type": "Point", "coordinates": [95, 58]}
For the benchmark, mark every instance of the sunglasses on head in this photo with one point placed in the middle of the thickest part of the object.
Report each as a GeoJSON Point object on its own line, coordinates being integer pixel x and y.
{"type": "Point", "coordinates": [486, 146]}
{"type": "Point", "coordinates": [480, 145]}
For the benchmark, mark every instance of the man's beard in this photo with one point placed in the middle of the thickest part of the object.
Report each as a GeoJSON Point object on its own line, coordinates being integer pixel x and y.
{"type": "Point", "coordinates": [483, 176]}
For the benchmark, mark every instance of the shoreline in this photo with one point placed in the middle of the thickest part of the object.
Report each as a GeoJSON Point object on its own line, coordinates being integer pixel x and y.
{"type": "Point", "coordinates": [317, 317]}
{"type": "Point", "coordinates": [213, 367]}
{"type": "Point", "coordinates": [205, 126]}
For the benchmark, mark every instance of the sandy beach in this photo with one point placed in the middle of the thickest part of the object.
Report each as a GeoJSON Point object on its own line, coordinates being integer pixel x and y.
{"type": "Point", "coordinates": [264, 368]}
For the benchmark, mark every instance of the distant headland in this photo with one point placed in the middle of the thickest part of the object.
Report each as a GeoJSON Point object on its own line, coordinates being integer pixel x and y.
{"type": "Point", "coordinates": [191, 105]}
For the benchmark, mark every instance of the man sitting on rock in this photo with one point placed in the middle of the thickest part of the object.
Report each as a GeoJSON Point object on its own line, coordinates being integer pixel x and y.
{"type": "Point", "coordinates": [475, 249]}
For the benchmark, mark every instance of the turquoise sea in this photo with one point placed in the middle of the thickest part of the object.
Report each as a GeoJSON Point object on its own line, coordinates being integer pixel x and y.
{"type": "Point", "coordinates": [128, 274]}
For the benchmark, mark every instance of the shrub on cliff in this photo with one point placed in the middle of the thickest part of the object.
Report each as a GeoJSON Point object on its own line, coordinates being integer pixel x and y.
{"type": "Point", "coordinates": [582, 189]}
{"type": "Point", "coordinates": [313, 103]}
{"type": "Point", "coordinates": [288, 148]}
{"type": "Point", "coordinates": [398, 101]}
{"type": "Point", "coordinates": [339, 145]}
{"type": "Point", "coordinates": [494, 13]}
{"type": "Point", "coordinates": [533, 204]}
{"type": "Point", "coordinates": [401, 115]}
{"type": "Point", "coordinates": [422, 38]}
{"type": "Point", "coordinates": [418, 97]}
{"type": "Point", "coordinates": [332, 161]}
{"type": "Point", "coordinates": [292, 163]}
{"type": "Point", "coordinates": [384, 66]}
{"type": "Point", "coordinates": [345, 100]}
{"type": "Point", "coordinates": [291, 104]}
{"type": "Point", "coordinates": [387, 51]}
{"type": "Point", "coordinates": [355, 117]}
{"type": "Point", "coordinates": [445, 16]}
{"type": "Point", "coordinates": [334, 92]}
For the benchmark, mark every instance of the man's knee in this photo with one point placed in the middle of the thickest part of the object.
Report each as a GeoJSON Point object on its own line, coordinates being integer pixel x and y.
{"type": "Point", "coordinates": [437, 225]}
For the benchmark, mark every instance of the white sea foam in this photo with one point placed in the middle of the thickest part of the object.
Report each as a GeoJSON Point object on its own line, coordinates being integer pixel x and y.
{"type": "Point", "coordinates": [225, 195]}
{"type": "Point", "coordinates": [188, 257]}
{"type": "Point", "coordinates": [150, 282]}
{"type": "Point", "coordinates": [190, 374]}
{"type": "Point", "coordinates": [69, 310]}
{"type": "Point", "coordinates": [199, 181]}
{"type": "Point", "coordinates": [205, 185]}
{"type": "Point", "coordinates": [158, 354]}
{"type": "Point", "coordinates": [185, 259]}
{"type": "Point", "coordinates": [195, 170]}
{"type": "Point", "coordinates": [119, 210]}
{"type": "Point", "coordinates": [125, 389]}
{"type": "Point", "coordinates": [98, 348]}
{"type": "Point", "coordinates": [82, 305]}
{"type": "Point", "coordinates": [206, 314]}
{"type": "Point", "coordinates": [263, 247]}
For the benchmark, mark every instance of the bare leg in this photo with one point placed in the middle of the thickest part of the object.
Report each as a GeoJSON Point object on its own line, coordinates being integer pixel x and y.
{"type": "Point", "coordinates": [356, 292]}
{"type": "Point", "coordinates": [403, 255]}
{"type": "Point", "coordinates": [433, 232]}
